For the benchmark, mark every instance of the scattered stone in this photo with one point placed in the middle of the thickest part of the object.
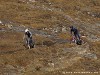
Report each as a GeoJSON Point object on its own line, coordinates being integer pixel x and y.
{"type": "Point", "coordinates": [52, 64]}
{"type": "Point", "coordinates": [64, 29]}
{"type": "Point", "coordinates": [0, 22]}
{"type": "Point", "coordinates": [32, 0]}
{"type": "Point", "coordinates": [38, 68]}
{"type": "Point", "coordinates": [10, 67]}
{"type": "Point", "coordinates": [10, 26]}
{"type": "Point", "coordinates": [90, 55]}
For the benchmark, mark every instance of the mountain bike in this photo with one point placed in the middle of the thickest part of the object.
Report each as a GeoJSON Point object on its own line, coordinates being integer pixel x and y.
{"type": "Point", "coordinates": [76, 40]}
{"type": "Point", "coordinates": [28, 43]}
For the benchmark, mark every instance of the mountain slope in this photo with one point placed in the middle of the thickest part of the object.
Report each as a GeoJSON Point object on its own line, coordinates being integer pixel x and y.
{"type": "Point", "coordinates": [49, 21]}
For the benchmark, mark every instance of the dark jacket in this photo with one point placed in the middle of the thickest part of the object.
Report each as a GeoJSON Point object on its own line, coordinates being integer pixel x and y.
{"type": "Point", "coordinates": [74, 30]}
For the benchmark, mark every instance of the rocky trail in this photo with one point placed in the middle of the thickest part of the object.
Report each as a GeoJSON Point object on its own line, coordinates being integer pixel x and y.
{"type": "Point", "coordinates": [49, 22]}
{"type": "Point", "coordinates": [21, 28]}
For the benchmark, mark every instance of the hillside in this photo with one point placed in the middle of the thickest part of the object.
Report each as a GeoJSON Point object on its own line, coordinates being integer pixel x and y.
{"type": "Point", "coordinates": [49, 21]}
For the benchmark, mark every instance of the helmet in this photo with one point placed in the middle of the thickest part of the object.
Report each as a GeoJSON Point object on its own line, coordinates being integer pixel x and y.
{"type": "Point", "coordinates": [26, 30]}
{"type": "Point", "coordinates": [71, 26]}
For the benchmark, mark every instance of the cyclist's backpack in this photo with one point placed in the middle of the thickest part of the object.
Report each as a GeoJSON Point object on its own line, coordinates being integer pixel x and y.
{"type": "Point", "coordinates": [28, 34]}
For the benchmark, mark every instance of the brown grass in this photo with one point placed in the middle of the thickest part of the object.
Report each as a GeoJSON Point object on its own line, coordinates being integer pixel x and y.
{"type": "Point", "coordinates": [12, 51]}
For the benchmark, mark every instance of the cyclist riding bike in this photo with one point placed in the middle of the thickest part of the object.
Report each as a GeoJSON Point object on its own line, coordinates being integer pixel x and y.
{"type": "Point", "coordinates": [75, 35]}
{"type": "Point", "coordinates": [28, 39]}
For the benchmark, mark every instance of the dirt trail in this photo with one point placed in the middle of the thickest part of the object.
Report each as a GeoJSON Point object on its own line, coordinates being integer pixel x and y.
{"type": "Point", "coordinates": [63, 58]}
{"type": "Point", "coordinates": [21, 28]}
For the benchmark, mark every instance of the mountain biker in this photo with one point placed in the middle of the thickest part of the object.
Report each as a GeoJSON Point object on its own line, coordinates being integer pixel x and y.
{"type": "Point", "coordinates": [74, 32]}
{"type": "Point", "coordinates": [28, 38]}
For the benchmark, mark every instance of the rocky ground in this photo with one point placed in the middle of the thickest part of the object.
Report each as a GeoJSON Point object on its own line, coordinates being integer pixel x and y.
{"type": "Point", "coordinates": [49, 23]}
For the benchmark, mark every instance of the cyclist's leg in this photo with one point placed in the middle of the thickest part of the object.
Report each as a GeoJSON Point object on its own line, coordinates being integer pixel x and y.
{"type": "Point", "coordinates": [78, 36]}
{"type": "Point", "coordinates": [32, 43]}
{"type": "Point", "coordinates": [26, 41]}
{"type": "Point", "coordinates": [29, 43]}
{"type": "Point", "coordinates": [75, 37]}
{"type": "Point", "coordinates": [79, 41]}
